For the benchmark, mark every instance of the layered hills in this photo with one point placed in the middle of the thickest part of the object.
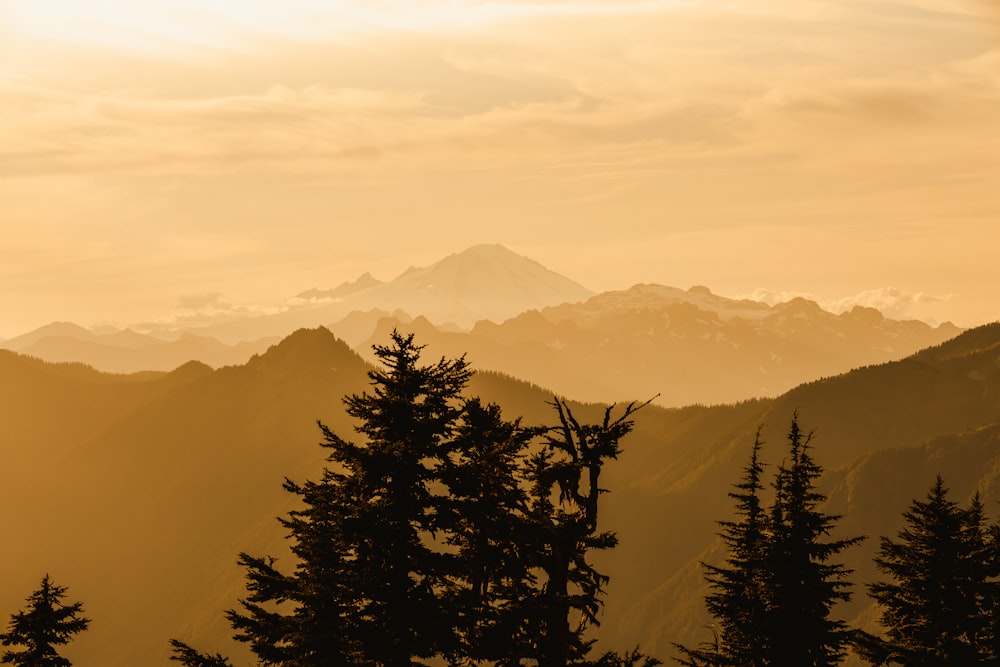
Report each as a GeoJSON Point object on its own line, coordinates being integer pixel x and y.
{"type": "Point", "coordinates": [687, 346]}
{"type": "Point", "coordinates": [510, 314]}
{"type": "Point", "coordinates": [127, 351]}
{"type": "Point", "coordinates": [481, 282]}
{"type": "Point", "coordinates": [138, 491]}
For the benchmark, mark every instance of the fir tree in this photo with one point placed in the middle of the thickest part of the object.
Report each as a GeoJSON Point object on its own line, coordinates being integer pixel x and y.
{"type": "Point", "coordinates": [484, 517]}
{"type": "Point", "coordinates": [437, 536]}
{"type": "Point", "coordinates": [773, 597]}
{"type": "Point", "coordinates": [189, 657]}
{"type": "Point", "coordinates": [938, 604]}
{"type": "Point", "coordinates": [805, 582]}
{"type": "Point", "coordinates": [43, 625]}
{"type": "Point", "coordinates": [740, 594]}
{"type": "Point", "coordinates": [386, 499]}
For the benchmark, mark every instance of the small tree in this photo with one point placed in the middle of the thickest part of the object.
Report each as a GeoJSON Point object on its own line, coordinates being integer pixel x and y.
{"type": "Point", "coordinates": [42, 626]}
{"type": "Point", "coordinates": [189, 657]}
{"type": "Point", "coordinates": [938, 604]}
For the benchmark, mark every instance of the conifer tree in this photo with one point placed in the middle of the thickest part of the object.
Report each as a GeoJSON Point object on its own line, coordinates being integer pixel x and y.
{"type": "Point", "coordinates": [42, 626]}
{"type": "Point", "coordinates": [189, 657]}
{"type": "Point", "coordinates": [772, 599]}
{"type": "Point", "coordinates": [385, 495]}
{"type": "Point", "coordinates": [437, 536]}
{"type": "Point", "coordinates": [937, 605]}
{"type": "Point", "coordinates": [484, 517]}
{"type": "Point", "coordinates": [740, 594]}
{"type": "Point", "coordinates": [805, 581]}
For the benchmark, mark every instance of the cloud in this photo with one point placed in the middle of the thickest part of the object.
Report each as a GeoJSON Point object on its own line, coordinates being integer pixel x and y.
{"type": "Point", "coordinates": [207, 309]}
{"type": "Point", "coordinates": [892, 302]}
{"type": "Point", "coordinates": [212, 301]}
{"type": "Point", "coordinates": [772, 297]}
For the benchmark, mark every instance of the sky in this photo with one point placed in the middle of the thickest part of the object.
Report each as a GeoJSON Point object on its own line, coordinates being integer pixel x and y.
{"type": "Point", "coordinates": [163, 153]}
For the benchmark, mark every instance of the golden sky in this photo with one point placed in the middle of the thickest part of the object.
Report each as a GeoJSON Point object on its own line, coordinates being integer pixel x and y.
{"type": "Point", "coordinates": [155, 150]}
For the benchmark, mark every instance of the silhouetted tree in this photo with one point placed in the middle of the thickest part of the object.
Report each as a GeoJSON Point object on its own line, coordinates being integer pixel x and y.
{"type": "Point", "coordinates": [43, 625]}
{"type": "Point", "coordinates": [386, 500]}
{"type": "Point", "coordinates": [186, 655]}
{"type": "Point", "coordinates": [565, 478]}
{"type": "Point", "coordinates": [773, 597]}
{"type": "Point", "coordinates": [437, 536]}
{"type": "Point", "coordinates": [805, 581]}
{"type": "Point", "coordinates": [938, 605]}
{"type": "Point", "coordinates": [483, 518]}
{"type": "Point", "coordinates": [740, 590]}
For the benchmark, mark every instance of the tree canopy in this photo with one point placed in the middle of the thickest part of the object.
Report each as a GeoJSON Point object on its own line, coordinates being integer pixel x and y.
{"type": "Point", "coordinates": [42, 626]}
{"type": "Point", "coordinates": [444, 532]}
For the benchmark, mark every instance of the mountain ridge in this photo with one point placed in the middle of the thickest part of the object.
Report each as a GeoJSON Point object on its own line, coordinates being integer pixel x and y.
{"type": "Point", "coordinates": [173, 473]}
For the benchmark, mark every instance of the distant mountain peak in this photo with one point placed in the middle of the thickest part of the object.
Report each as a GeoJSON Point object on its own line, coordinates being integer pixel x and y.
{"type": "Point", "coordinates": [486, 281]}
{"type": "Point", "coordinates": [51, 330]}
{"type": "Point", "coordinates": [364, 281]}
{"type": "Point", "coordinates": [483, 282]}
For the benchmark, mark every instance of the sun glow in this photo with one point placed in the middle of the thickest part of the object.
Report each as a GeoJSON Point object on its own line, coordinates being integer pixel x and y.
{"type": "Point", "coordinates": [171, 25]}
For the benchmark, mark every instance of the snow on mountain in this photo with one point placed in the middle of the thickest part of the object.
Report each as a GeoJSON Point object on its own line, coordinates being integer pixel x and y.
{"type": "Point", "coordinates": [484, 282]}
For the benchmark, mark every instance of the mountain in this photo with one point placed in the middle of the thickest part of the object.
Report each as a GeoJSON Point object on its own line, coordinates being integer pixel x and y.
{"type": "Point", "coordinates": [688, 346]}
{"type": "Point", "coordinates": [54, 329]}
{"type": "Point", "coordinates": [128, 351]}
{"type": "Point", "coordinates": [881, 432]}
{"type": "Point", "coordinates": [365, 281]}
{"type": "Point", "coordinates": [483, 282]}
{"type": "Point", "coordinates": [138, 491]}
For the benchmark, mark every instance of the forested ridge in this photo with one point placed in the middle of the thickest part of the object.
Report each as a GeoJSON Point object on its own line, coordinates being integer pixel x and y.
{"type": "Point", "coordinates": [549, 506]}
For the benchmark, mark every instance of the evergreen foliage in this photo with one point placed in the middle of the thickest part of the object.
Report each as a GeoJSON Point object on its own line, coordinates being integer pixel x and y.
{"type": "Point", "coordinates": [939, 603]}
{"type": "Point", "coordinates": [739, 589]}
{"type": "Point", "coordinates": [492, 577]}
{"type": "Point", "coordinates": [438, 536]}
{"type": "Point", "coordinates": [43, 625]}
{"type": "Point", "coordinates": [772, 599]}
{"type": "Point", "coordinates": [805, 583]}
{"type": "Point", "coordinates": [188, 656]}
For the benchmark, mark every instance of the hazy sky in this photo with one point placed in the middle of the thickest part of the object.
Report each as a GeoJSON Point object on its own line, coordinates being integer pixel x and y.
{"type": "Point", "coordinates": [155, 152]}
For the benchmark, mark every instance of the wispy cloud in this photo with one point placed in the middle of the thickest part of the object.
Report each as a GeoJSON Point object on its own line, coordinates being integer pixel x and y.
{"type": "Point", "coordinates": [260, 126]}
{"type": "Point", "coordinates": [890, 301]}
{"type": "Point", "coordinates": [894, 303]}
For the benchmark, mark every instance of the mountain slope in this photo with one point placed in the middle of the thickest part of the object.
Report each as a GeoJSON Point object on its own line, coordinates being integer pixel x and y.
{"type": "Point", "coordinates": [882, 433]}
{"type": "Point", "coordinates": [687, 346]}
{"type": "Point", "coordinates": [482, 282]}
{"type": "Point", "coordinates": [128, 351]}
{"type": "Point", "coordinates": [139, 491]}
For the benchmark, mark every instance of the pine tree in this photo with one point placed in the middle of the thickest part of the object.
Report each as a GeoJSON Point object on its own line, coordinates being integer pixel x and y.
{"type": "Point", "coordinates": [805, 583]}
{"type": "Point", "coordinates": [45, 624]}
{"type": "Point", "coordinates": [189, 657]}
{"type": "Point", "coordinates": [740, 595]}
{"type": "Point", "coordinates": [938, 604]}
{"type": "Point", "coordinates": [991, 601]}
{"type": "Point", "coordinates": [386, 495]}
{"type": "Point", "coordinates": [437, 537]}
{"type": "Point", "coordinates": [773, 598]}
{"type": "Point", "coordinates": [483, 517]}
